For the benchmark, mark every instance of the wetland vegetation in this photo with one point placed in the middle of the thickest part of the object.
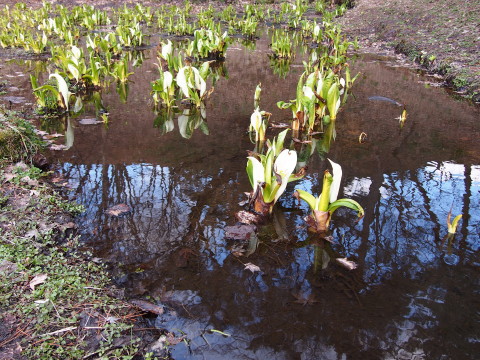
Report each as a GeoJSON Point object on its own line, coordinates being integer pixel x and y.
{"type": "Point", "coordinates": [145, 117]}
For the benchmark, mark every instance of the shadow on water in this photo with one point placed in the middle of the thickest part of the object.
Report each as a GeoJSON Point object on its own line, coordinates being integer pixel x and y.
{"type": "Point", "coordinates": [410, 296]}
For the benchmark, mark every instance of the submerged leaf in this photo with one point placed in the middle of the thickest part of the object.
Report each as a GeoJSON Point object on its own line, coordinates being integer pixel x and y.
{"type": "Point", "coordinates": [251, 267]}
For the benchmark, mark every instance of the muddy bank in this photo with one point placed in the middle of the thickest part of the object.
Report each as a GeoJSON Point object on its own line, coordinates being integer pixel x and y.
{"type": "Point", "coordinates": [441, 36]}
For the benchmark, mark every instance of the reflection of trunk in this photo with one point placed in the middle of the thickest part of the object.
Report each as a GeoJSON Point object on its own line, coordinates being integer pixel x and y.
{"type": "Point", "coordinates": [466, 207]}
{"type": "Point", "coordinates": [371, 215]}
{"type": "Point", "coordinates": [426, 201]}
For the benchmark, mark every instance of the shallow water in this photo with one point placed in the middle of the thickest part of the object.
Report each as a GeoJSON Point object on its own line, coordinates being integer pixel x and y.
{"type": "Point", "coordinates": [412, 295]}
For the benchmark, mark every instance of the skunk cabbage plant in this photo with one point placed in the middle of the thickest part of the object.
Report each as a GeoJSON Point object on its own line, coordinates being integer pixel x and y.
{"type": "Point", "coordinates": [258, 123]}
{"type": "Point", "coordinates": [325, 205]}
{"type": "Point", "coordinates": [270, 173]}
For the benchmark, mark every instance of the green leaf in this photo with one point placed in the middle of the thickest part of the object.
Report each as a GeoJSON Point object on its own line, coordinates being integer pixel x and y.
{"type": "Point", "coordinates": [309, 198]}
{"type": "Point", "coordinates": [284, 105]}
{"type": "Point", "coordinates": [268, 165]}
{"type": "Point", "coordinates": [349, 203]}
{"type": "Point", "coordinates": [280, 141]}
{"type": "Point", "coordinates": [204, 69]}
{"type": "Point", "coordinates": [452, 228]}
{"type": "Point", "coordinates": [325, 195]}
{"type": "Point", "coordinates": [333, 98]}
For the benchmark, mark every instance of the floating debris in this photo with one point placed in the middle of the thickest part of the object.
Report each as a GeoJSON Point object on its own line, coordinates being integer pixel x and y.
{"type": "Point", "coordinates": [347, 264]}
{"type": "Point", "coordinates": [383, 98]}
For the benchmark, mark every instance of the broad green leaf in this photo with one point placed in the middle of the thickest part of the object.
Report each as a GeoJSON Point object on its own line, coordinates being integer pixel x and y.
{"type": "Point", "coordinates": [284, 105]}
{"type": "Point", "coordinates": [310, 82]}
{"type": "Point", "coordinates": [333, 98]}
{"type": "Point", "coordinates": [325, 195]}
{"type": "Point", "coordinates": [204, 69]}
{"type": "Point", "coordinates": [280, 141]}
{"type": "Point", "coordinates": [300, 88]}
{"type": "Point", "coordinates": [72, 67]}
{"type": "Point", "coordinates": [327, 82]}
{"type": "Point", "coordinates": [349, 203]}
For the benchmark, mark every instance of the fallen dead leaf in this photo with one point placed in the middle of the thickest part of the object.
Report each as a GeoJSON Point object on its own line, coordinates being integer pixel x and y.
{"type": "Point", "coordinates": [41, 132]}
{"type": "Point", "coordinates": [35, 193]}
{"type": "Point", "coordinates": [251, 267]}
{"type": "Point", "coordinates": [302, 141]}
{"type": "Point", "coordinates": [8, 176]}
{"type": "Point", "coordinates": [148, 307]}
{"type": "Point", "coordinates": [37, 280]}
{"type": "Point", "coordinates": [58, 147]}
{"type": "Point", "coordinates": [279, 125]}
{"type": "Point", "coordinates": [172, 340]}
{"type": "Point", "coordinates": [52, 136]}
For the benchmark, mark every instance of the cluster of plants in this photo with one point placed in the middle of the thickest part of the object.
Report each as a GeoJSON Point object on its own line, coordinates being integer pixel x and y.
{"type": "Point", "coordinates": [181, 89]}
{"type": "Point", "coordinates": [271, 168]}
{"type": "Point", "coordinates": [208, 44]}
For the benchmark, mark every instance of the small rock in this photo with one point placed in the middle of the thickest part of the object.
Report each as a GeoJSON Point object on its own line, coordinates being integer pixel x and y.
{"type": "Point", "coordinates": [7, 267]}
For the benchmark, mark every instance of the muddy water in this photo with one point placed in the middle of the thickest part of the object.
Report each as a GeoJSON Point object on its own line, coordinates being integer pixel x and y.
{"type": "Point", "coordinates": [412, 295]}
